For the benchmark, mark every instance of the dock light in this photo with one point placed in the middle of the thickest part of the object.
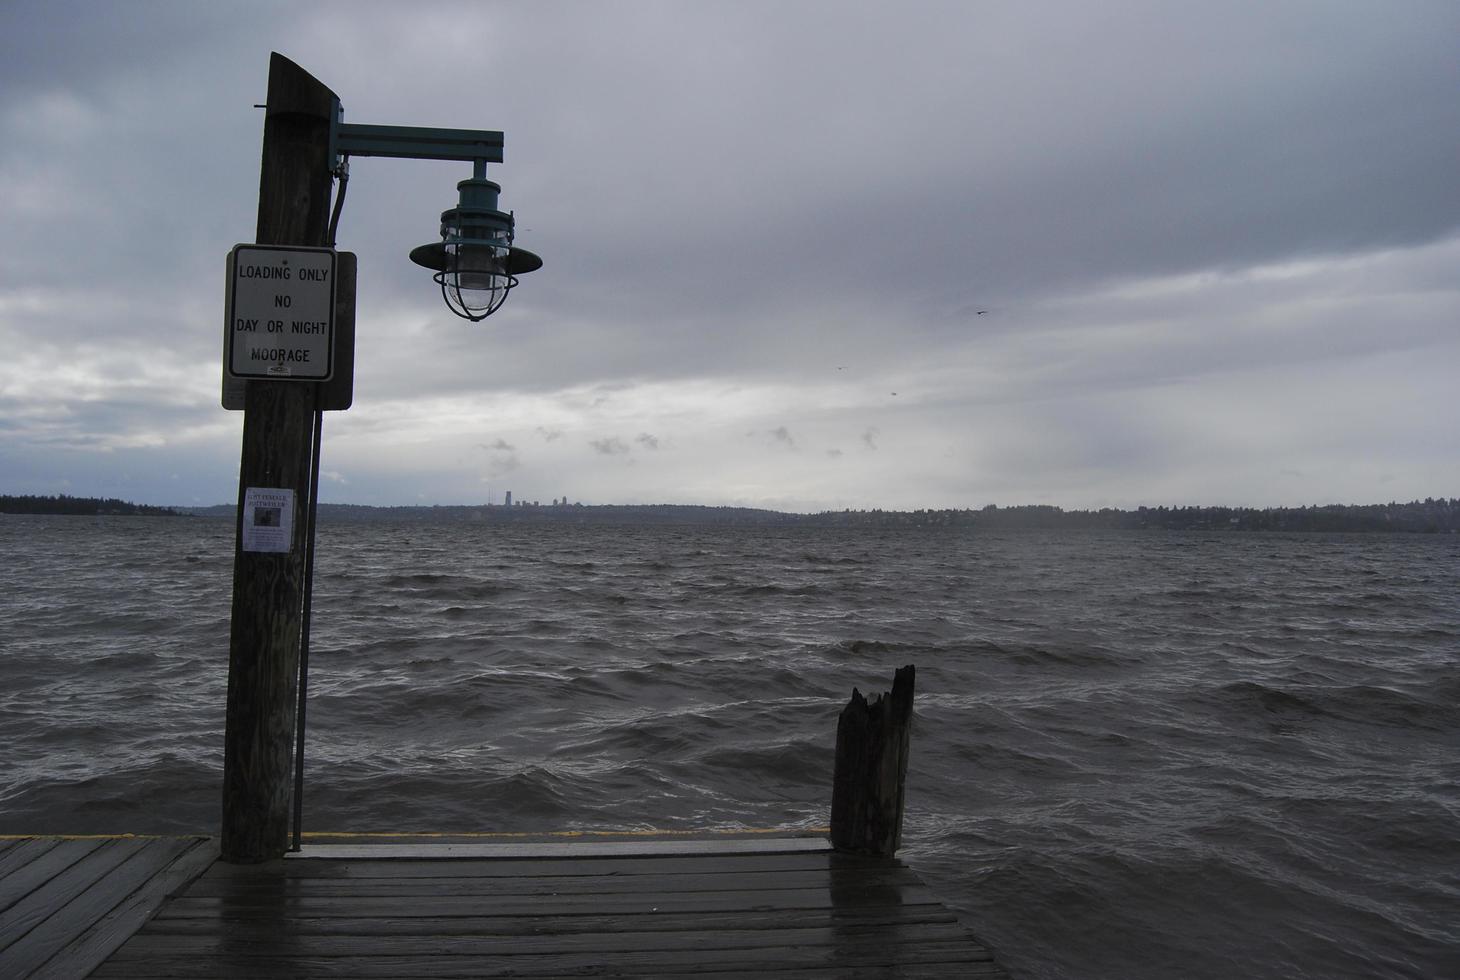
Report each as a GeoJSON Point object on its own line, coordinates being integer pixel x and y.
{"type": "Point", "coordinates": [476, 263]}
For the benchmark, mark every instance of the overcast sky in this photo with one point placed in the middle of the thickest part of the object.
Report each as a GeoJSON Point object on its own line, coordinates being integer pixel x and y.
{"type": "Point", "coordinates": [800, 255]}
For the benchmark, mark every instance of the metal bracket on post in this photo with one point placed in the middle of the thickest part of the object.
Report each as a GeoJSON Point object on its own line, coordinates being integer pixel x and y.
{"type": "Point", "coordinates": [414, 142]}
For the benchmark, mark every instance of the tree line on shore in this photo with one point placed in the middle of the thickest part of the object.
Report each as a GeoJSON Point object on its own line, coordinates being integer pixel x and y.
{"type": "Point", "coordinates": [83, 506]}
{"type": "Point", "coordinates": [1431, 515]}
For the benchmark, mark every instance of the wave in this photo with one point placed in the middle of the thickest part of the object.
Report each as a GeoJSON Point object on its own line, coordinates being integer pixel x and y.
{"type": "Point", "coordinates": [1363, 704]}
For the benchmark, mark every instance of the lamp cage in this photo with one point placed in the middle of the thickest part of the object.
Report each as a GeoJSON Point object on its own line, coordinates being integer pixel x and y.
{"type": "Point", "coordinates": [476, 263]}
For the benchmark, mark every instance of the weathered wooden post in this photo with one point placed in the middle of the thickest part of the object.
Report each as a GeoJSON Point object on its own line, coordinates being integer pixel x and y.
{"type": "Point", "coordinates": [268, 587]}
{"type": "Point", "coordinates": [871, 769]}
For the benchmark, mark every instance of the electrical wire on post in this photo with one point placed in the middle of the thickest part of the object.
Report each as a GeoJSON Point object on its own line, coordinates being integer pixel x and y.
{"type": "Point", "coordinates": [343, 172]}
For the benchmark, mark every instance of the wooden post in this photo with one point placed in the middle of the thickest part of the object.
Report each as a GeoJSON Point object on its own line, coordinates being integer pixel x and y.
{"type": "Point", "coordinates": [263, 649]}
{"type": "Point", "coordinates": [871, 769]}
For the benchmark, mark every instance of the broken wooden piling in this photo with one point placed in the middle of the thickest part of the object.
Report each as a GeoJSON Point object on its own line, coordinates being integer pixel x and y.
{"type": "Point", "coordinates": [870, 775]}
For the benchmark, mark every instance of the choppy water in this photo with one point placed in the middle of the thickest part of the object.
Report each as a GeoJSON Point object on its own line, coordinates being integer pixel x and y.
{"type": "Point", "coordinates": [1136, 755]}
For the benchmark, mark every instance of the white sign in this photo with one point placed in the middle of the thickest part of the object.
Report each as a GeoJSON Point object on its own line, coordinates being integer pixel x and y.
{"type": "Point", "coordinates": [268, 519]}
{"type": "Point", "coordinates": [280, 318]}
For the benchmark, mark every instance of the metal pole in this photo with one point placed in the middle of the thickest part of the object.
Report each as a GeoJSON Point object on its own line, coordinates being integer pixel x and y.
{"type": "Point", "coordinates": [304, 632]}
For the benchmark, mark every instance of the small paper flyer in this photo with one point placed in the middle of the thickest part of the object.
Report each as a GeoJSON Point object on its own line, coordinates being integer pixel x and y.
{"type": "Point", "coordinates": [268, 519]}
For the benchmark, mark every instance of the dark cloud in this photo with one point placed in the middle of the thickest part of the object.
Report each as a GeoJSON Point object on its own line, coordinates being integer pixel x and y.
{"type": "Point", "coordinates": [647, 441]}
{"type": "Point", "coordinates": [502, 465]}
{"type": "Point", "coordinates": [503, 460]}
{"type": "Point", "coordinates": [612, 446]}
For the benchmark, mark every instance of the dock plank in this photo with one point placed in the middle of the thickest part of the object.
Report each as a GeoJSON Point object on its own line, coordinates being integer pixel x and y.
{"type": "Point", "coordinates": [43, 865]}
{"type": "Point", "coordinates": [912, 915]}
{"type": "Point", "coordinates": [962, 971]}
{"type": "Point", "coordinates": [397, 868]}
{"type": "Point", "coordinates": [954, 957]}
{"type": "Point", "coordinates": [705, 939]}
{"type": "Point", "coordinates": [172, 867]}
{"type": "Point", "coordinates": [744, 963]}
{"type": "Point", "coordinates": [384, 907]}
{"type": "Point", "coordinates": [557, 885]}
{"type": "Point", "coordinates": [99, 882]}
{"type": "Point", "coordinates": [53, 880]}
{"type": "Point", "coordinates": [77, 900]}
{"type": "Point", "coordinates": [21, 853]}
{"type": "Point", "coordinates": [634, 847]}
{"type": "Point", "coordinates": [779, 912]}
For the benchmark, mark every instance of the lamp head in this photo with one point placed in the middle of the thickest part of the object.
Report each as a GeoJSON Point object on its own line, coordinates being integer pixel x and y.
{"type": "Point", "coordinates": [476, 263]}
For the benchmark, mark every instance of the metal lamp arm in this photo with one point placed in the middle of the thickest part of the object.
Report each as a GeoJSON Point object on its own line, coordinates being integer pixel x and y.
{"type": "Point", "coordinates": [481, 146]}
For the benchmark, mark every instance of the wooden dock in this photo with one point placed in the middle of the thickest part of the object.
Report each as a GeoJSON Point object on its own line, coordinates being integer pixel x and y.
{"type": "Point", "coordinates": [67, 903]}
{"type": "Point", "coordinates": [768, 908]}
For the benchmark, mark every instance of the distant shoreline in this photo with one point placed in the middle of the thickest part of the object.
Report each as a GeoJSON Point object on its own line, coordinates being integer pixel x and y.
{"type": "Point", "coordinates": [66, 506]}
{"type": "Point", "coordinates": [1432, 515]}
